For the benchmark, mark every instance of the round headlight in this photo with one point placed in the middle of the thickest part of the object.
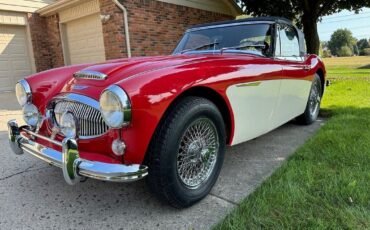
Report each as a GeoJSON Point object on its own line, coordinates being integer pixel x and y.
{"type": "Point", "coordinates": [115, 107]}
{"type": "Point", "coordinates": [23, 92]}
{"type": "Point", "coordinates": [68, 125]}
{"type": "Point", "coordinates": [31, 114]}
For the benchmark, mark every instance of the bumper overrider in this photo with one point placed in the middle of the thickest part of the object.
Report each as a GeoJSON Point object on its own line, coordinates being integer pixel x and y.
{"type": "Point", "coordinates": [74, 168]}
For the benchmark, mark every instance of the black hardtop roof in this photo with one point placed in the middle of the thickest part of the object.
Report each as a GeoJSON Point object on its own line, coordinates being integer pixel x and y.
{"type": "Point", "coordinates": [256, 19]}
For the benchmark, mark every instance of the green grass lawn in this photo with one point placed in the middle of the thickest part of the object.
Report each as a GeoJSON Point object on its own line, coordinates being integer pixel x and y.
{"type": "Point", "coordinates": [326, 183]}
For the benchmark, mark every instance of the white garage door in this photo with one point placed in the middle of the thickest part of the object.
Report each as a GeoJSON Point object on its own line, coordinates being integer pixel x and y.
{"type": "Point", "coordinates": [15, 61]}
{"type": "Point", "coordinates": [85, 40]}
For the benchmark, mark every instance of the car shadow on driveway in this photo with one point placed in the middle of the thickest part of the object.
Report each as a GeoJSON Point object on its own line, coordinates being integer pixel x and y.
{"type": "Point", "coordinates": [34, 195]}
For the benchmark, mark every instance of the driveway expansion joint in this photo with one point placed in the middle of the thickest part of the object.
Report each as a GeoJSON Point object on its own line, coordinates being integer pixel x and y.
{"type": "Point", "coordinates": [29, 169]}
{"type": "Point", "coordinates": [224, 199]}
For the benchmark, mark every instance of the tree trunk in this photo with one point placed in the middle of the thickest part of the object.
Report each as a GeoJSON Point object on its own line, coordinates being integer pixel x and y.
{"type": "Point", "coordinates": [310, 34]}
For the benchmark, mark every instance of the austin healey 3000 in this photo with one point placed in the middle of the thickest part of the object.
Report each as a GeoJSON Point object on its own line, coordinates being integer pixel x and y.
{"type": "Point", "coordinates": [170, 118]}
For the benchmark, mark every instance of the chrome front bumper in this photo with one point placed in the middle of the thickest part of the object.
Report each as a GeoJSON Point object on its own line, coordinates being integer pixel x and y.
{"type": "Point", "coordinates": [74, 168]}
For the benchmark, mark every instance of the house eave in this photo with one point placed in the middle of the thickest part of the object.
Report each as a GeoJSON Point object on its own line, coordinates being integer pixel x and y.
{"type": "Point", "coordinates": [58, 6]}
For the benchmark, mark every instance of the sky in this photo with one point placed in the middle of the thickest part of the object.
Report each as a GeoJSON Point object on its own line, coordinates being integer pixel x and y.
{"type": "Point", "coordinates": [359, 24]}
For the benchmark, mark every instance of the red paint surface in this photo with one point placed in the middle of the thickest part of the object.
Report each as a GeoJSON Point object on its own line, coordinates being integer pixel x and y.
{"type": "Point", "coordinates": [153, 83]}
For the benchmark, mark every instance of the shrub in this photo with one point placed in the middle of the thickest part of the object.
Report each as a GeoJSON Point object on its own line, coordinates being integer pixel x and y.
{"type": "Point", "coordinates": [366, 51]}
{"type": "Point", "coordinates": [326, 53]}
{"type": "Point", "coordinates": [345, 51]}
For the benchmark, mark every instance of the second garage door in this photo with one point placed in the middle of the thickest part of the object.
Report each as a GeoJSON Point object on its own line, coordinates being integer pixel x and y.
{"type": "Point", "coordinates": [15, 62]}
{"type": "Point", "coordinates": [85, 42]}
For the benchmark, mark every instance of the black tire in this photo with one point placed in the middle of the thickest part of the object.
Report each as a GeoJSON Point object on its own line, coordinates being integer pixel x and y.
{"type": "Point", "coordinates": [164, 178]}
{"type": "Point", "coordinates": [313, 103]}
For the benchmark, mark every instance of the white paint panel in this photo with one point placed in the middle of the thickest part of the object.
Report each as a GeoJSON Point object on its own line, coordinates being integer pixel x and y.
{"type": "Point", "coordinates": [15, 61]}
{"type": "Point", "coordinates": [253, 106]}
{"type": "Point", "coordinates": [85, 42]}
{"type": "Point", "coordinates": [292, 100]}
{"type": "Point", "coordinates": [261, 108]}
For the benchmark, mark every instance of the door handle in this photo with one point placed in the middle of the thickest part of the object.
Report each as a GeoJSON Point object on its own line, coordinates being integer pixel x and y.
{"type": "Point", "coordinates": [306, 67]}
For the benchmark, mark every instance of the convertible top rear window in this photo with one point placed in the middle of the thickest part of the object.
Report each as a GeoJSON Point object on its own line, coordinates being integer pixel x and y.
{"type": "Point", "coordinates": [214, 39]}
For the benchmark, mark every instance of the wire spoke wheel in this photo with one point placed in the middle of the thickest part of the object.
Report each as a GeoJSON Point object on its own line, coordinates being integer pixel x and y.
{"type": "Point", "coordinates": [197, 153]}
{"type": "Point", "coordinates": [314, 100]}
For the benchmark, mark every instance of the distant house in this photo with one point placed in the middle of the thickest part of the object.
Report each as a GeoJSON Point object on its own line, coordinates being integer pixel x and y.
{"type": "Point", "coordinates": [42, 34]}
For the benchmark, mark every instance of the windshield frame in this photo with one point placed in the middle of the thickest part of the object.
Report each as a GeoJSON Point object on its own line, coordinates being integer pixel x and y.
{"type": "Point", "coordinates": [178, 51]}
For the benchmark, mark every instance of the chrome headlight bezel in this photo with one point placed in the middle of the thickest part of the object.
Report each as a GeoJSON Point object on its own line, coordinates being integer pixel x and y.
{"type": "Point", "coordinates": [118, 96]}
{"type": "Point", "coordinates": [67, 130]}
{"type": "Point", "coordinates": [31, 115]}
{"type": "Point", "coordinates": [22, 87]}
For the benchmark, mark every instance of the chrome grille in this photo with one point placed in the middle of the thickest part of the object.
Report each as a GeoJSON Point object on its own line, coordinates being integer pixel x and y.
{"type": "Point", "coordinates": [90, 120]}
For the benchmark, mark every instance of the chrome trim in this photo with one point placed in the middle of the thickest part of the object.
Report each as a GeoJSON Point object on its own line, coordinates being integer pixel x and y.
{"type": "Point", "coordinates": [69, 161]}
{"type": "Point", "coordinates": [257, 83]}
{"type": "Point", "coordinates": [77, 98]}
{"type": "Point", "coordinates": [229, 24]}
{"type": "Point", "coordinates": [27, 89]}
{"type": "Point", "coordinates": [124, 101]}
{"type": "Point", "coordinates": [13, 137]}
{"type": "Point", "coordinates": [42, 137]}
{"type": "Point", "coordinates": [90, 74]}
{"type": "Point", "coordinates": [74, 168]}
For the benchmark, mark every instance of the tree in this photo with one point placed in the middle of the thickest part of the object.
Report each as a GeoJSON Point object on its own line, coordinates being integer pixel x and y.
{"type": "Point", "coordinates": [306, 13]}
{"type": "Point", "coordinates": [363, 44]}
{"type": "Point", "coordinates": [339, 39]}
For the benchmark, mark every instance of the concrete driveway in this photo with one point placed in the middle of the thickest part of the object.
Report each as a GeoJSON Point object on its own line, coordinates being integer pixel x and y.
{"type": "Point", "coordinates": [34, 195]}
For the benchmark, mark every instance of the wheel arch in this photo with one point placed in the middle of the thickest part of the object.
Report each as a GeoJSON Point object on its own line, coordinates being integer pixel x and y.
{"type": "Point", "coordinates": [216, 98]}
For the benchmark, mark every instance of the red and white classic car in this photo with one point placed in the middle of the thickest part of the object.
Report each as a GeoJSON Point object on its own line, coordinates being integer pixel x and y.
{"type": "Point", "coordinates": [170, 118]}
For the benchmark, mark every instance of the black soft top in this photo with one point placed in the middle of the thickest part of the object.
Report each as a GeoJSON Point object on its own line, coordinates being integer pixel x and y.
{"type": "Point", "coordinates": [256, 19]}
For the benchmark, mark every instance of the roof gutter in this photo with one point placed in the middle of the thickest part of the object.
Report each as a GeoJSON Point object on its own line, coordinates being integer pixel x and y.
{"type": "Point", "coordinates": [127, 33]}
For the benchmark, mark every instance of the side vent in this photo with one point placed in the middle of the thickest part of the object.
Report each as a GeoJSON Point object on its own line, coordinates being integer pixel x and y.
{"type": "Point", "coordinates": [90, 74]}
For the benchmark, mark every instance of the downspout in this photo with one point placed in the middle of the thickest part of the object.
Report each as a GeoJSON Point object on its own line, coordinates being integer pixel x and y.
{"type": "Point", "coordinates": [127, 34]}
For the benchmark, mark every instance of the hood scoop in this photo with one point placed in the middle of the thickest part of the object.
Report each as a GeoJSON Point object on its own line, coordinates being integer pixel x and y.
{"type": "Point", "coordinates": [90, 74]}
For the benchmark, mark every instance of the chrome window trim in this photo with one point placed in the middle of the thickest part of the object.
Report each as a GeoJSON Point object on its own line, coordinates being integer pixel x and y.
{"type": "Point", "coordinates": [229, 24]}
{"type": "Point", "coordinates": [90, 74]}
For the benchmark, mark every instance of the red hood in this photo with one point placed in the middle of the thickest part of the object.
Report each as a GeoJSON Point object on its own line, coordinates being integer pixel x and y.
{"type": "Point", "coordinates": [121, 69]}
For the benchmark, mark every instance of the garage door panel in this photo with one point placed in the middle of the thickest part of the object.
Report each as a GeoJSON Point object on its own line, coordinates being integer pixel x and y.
{"type": "Point", "coordinates": [4, 66]}
{"type": "Point", "coordinates": [15, 61]}
{"type": "Point", "coordinates": [85, 40]}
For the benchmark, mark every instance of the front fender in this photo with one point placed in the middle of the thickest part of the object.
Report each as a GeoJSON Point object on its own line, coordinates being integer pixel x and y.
{"type": "Point", "coordinates": [150, 97]}
{"type": "Point", "coordinates": [45, 85]}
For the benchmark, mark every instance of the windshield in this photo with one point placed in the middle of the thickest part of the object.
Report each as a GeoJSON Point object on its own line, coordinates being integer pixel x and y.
{"type": "Point", "coordinates": [251, 38]}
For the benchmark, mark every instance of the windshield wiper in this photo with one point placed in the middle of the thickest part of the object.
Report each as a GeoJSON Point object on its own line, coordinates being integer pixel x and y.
{"type": "Point", "coordinates": [200, 47]}
{"type": "Point", "coordinates": [243, 46]}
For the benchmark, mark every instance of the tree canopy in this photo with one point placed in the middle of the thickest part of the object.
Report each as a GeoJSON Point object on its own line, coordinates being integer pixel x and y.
{"type": "Point", "coordinates": [341, 43]}
{"type": "Point", "coordinates": [306, 13]}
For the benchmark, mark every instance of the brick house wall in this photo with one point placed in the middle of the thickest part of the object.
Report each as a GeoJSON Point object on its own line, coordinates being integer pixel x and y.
{"type": "Point", "coordinates": [46, 41]}
{"type": "Point", "coordinates": [155, 28]}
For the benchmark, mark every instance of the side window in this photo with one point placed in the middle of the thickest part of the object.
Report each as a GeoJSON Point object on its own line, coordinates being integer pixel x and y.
{"type": "Point", "coordinates": [288, 42]}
